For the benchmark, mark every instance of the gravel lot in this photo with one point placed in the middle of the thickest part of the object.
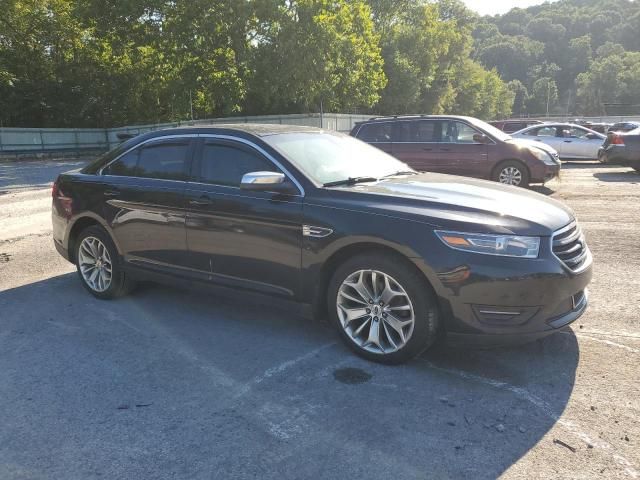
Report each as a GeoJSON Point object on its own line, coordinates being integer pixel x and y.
{"type": "Point", "coordinates": [176, 384]}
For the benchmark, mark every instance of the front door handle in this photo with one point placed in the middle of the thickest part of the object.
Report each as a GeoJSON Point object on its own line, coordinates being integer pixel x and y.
{"type": "Point", "coordinates": [568, 141]}
{"type": "Point", "coordinates": [111, 192]}
{"type": "Point", "coordinates": [203, 201]}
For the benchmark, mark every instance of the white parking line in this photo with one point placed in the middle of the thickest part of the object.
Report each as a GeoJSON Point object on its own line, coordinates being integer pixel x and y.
{"type": "Point", "coordinates": [524, 394]}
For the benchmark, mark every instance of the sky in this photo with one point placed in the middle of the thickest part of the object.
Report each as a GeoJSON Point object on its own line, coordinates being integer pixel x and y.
{"type": "Point", "coordinates": [492, 7]}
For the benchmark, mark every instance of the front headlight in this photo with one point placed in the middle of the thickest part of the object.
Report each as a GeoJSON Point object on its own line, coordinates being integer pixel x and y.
{"type": "Point", "coordinates": [502, 245]}
{"type": "Point", "coordinates": [543, 156]}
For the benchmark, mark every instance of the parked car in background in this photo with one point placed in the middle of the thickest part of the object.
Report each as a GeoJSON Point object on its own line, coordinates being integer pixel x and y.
{"type": "Point", "coordinates": [573, 142]}
{"type": "Point", "coordinates": [397, 259]}
{"type": "Point", "coordinates": [600, 127]}
{"type": "Point", "coordinates": [460, 146]}
{"type": "Point", "coordinates": [622, 148]}
{"type": "Point", "coordinates": [513, 125]}
{"type": "Point", "coordinates": [624, 126]}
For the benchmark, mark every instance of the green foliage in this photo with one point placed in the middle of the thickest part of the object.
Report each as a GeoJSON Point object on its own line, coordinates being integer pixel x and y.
{"type": "Point", "coordinates": [557, 41]}
{"type": "Point", "coordinates": [114, 62]}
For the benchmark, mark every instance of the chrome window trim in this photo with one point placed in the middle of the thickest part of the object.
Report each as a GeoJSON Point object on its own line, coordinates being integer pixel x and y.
{"type": "Point", "coordinates": [204, 135]}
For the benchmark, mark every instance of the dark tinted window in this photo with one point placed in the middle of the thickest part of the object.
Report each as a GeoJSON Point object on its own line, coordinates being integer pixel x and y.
{"type": "Point", "coordinates": [164, 161]}
{"type": "Point", "coordinates": [375, 132]}
{"type": "Point", "coordinates": [125, 165]}
{"type": "Point", "coordinates": [417, 131]}
{"type": "Point", "coordinates": [225, 164]}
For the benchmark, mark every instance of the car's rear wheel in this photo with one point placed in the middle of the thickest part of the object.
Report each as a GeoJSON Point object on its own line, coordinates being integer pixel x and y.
{"type": "Point", "coordinates": [98, 264]}
{"type": "Point", "coordinates": [383, 309]}
{"type": "Point", "coordinates": [512, 173]}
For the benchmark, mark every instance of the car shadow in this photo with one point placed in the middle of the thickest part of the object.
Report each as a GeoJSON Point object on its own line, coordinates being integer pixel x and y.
{"type": "Point", "coordinates": [630, 176]}
{"type": "Point", "coordinates": [543, 189]}
{"type": "Point", "coordinates": [170, 382]}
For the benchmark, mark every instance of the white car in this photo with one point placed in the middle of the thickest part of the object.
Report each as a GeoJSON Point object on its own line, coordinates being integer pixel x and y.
{"type": "Point", "coordinates": [573, 142]}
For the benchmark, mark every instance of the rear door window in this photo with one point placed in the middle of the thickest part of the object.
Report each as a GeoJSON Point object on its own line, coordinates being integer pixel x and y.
{"type": "Point", "coordinates": [161, 160]}
{"type": "Point", "coordinates": [125, 166]}
{"type": "Point", "coordinates": [166, 161]}
{"type": "Point", "coordinates": [417, 131]}
{"type": "Point", "coordinates": [375, 132]}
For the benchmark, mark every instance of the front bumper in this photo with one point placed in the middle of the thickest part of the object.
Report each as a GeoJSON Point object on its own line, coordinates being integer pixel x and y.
{"type": "Point", "coordinates": [545, 174]}
{"type": "Point", "coordinates": [496, 340]}
{"type": "Point", "coordinates": [488, 300]}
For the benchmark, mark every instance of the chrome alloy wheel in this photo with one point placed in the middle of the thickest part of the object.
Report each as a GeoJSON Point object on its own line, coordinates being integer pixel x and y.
{"type": "Point", "coordinates": [375, 311]}
{"type": "Point", "coordinates": [95, 264]}
{"type": "Point", "coordinates": [510, 176]}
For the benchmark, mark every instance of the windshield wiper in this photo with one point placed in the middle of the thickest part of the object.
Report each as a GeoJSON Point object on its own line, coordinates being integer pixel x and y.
{"type": "Point", "coordinates": [350, 181]}
{"type": "Point", "coordinates": [401, 172]}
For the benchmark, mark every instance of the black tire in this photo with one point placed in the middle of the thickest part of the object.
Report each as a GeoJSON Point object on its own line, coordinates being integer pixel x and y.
{"type": "Point", "coordinates": [120, 284]}
{"type": "Point", "coordinates": [512, 164]}
{"type": "Point", "coordinates": [419, 293]}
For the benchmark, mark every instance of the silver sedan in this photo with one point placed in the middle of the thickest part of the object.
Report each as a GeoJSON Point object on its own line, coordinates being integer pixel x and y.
{"type": "Point", "coordinates": [573, 142]}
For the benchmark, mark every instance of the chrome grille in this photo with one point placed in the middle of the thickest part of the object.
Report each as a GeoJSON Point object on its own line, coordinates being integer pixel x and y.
{"type": "Point", "coordinates": [569, 246]}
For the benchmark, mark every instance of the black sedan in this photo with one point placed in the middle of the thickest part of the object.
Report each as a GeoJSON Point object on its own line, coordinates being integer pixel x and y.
{"type": "Point", "coordinates": [396, 259]}
{"type": "Point", "coordinates": [622, 148]}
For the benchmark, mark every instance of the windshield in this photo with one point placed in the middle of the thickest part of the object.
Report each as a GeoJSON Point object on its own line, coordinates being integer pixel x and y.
{"type": "Point", "coordinates": [329, 157]}
{"type": "Point", "coordinates": [490, 129]}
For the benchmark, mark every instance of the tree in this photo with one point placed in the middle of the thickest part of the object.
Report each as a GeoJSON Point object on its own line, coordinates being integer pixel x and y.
{"type": "Point", "coordinates": [313, 52]}
{"type": "Point", "coordinates": [544, 96]}
{"type": "Point", "coordinates": [520, 96]}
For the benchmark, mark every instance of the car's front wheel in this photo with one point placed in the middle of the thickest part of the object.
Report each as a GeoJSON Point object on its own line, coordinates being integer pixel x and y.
{"type": "Point", "coordinates": [383, 308]}
{"type": "Point", "coordinates": [98, 264]}
{"type": "Point", "coordinates": [512, 173]}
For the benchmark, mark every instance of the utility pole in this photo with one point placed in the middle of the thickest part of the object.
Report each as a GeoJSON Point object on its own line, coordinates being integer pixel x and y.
{"type": "Point", "coordinates": [191, 104]}
{"type": "Point", "coordinates": [548, 95]}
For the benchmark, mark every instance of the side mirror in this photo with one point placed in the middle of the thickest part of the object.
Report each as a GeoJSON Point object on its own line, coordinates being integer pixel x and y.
{"type": "Point", "coordinates": [480, 138]}
{"type": "Point", "coordinates": [266, 182]}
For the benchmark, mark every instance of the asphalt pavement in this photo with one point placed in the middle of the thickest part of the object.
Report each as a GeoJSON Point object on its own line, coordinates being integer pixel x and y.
{"type": "Point", "coordinates": [174, 384]}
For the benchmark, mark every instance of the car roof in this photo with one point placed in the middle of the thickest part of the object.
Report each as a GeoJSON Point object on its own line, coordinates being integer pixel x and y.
{"type": "Point", "coordinates": [254, 129]}
{"type": "Point", "coordinates": [392, 118]}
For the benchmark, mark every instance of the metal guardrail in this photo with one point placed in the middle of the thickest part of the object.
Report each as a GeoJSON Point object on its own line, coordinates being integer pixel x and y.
{"type": "Point", "coordinates": [46, 140]}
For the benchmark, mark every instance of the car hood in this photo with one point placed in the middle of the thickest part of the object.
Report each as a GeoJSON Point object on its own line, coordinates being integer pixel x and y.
{"type": "Point", "coordinates": [450, 201]}
{"type": "Point", "coordinates": [523, 142]}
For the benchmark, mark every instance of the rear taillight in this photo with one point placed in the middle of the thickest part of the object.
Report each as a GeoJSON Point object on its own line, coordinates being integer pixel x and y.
{"type": "Point", "coordinates": [617, 140]}
{"type": "Point", "coordinates": [63, 203]}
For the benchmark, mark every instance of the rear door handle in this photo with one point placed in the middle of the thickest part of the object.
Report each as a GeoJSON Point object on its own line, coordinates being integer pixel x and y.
{"type": "Point", "coordinates": [111, 192]}
{"type": "Point", "coordinates": [203, 201]}
{"type": "Point", "coordinates": [568, 141]}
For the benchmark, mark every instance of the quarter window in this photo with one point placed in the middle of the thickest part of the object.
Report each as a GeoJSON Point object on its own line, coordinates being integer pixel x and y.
{"type": "Point", "coordinates": [226, 165]}
{"type": "Point", "coordinates": [375, 132]}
